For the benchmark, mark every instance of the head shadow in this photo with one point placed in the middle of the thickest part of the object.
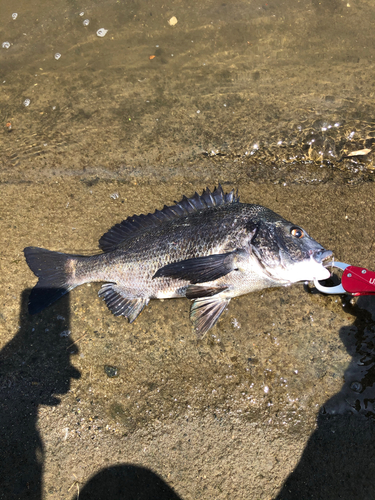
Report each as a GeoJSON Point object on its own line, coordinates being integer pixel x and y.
{"type": "Point", "coordinates": [126, 482]}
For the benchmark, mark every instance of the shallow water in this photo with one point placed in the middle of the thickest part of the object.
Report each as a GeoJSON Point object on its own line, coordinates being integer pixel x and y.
{"type": "Point", "coordinates": [284, 90]}
{"type": "Point", "coordinates": [272, 98]}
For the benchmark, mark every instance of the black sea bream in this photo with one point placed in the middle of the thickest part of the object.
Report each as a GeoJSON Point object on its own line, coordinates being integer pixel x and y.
{"type": "Point", "coordinates": [207, 248]}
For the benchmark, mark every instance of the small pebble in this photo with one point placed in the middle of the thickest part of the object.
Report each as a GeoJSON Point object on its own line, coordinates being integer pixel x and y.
{"type": "Point", "coordinates": [5, 45]}
{"type": "Point", "coordinates": [65, 333]}
{"type": "Point", "coordinates": [26, 102]}
{"type": "Point", "coordinates": [111, 371]}
{"type": "Point", "coordinates": [14, 15]}
{"type": "Point", "coordinates": [86, 22]}
{"type": "Point", "coordinates": [235, 323]}
{"type": "Point", "coordinates": [172, 21]}
{"type": "Point", "coordinates": [81, 14]}
{"type": "Point", "coordinates": [57, 56]}
{"type": "Point", "coordinates": [356, 386]}
{"type": "Point", "coordinates": [101, 32]}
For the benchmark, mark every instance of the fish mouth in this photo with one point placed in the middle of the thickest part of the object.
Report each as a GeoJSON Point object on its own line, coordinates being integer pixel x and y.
{"type": "Point", "coordinates": [321, 255]}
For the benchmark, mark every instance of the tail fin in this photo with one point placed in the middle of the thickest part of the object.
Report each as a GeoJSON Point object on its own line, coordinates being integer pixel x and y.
{"type": "Point", "coordinates": [55, 271]}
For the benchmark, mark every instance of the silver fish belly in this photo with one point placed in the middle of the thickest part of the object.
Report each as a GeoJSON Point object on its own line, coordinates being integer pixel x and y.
{"type": "Point", "coordinates": [208, 248]}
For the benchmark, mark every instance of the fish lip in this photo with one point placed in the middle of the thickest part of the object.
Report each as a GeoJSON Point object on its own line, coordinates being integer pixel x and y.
{"type": "Point", "coordinates": [321, 255]}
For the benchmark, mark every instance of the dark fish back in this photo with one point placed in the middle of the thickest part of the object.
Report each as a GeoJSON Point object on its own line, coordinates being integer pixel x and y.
{"type": "Point", "coordinates": [217, 229]}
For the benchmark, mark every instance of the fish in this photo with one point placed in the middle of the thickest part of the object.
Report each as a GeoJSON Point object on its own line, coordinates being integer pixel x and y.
{"type": "Point", "coordinates": [209, 248]}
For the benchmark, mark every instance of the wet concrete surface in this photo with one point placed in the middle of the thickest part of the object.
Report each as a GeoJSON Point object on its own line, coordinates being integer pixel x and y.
{"type": "Point", "coordinates": [277, 400]}
{"type": "Point", "coordinates": [228, 415]}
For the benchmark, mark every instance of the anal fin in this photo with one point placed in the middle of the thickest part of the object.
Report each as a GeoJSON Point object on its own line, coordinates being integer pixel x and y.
{"type": "Point", "coordinates": [120, 304]}
{"type": "Point", "coordinates": [205, 312]}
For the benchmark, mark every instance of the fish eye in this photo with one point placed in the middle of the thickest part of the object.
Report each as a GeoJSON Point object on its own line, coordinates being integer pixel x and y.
{"type": "Point", "coordinates": [297, 232]}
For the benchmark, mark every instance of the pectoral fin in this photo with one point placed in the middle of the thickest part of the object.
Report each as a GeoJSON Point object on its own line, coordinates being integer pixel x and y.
{"type": "Point", "coordinates": [202, 269]}
{"type": "Point", "coordinates": [120, 304]}
{"type": "Point", "coordinates": [205, 312]}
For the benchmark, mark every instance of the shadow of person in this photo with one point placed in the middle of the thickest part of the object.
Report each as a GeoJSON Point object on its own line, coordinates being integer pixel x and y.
{"type": "Point", "coordinates": [34, 368]}
{"type": "Point", "coordinates": [339, 459]}
{"type": "Point", "coordinates": [126, 482]}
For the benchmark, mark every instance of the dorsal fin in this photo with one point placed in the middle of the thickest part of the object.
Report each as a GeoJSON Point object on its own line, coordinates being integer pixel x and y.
{"type": "Point", "coordinates": [127, 228]}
